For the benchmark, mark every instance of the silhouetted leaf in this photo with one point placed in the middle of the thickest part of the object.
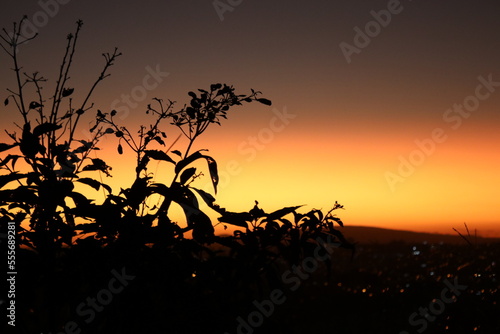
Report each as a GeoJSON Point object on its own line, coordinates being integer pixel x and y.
{"type": "Point", "coordinates": [214, 175]}
{"type": "Point", "coordinates": [209, 199]}
{"type": "Point", "coordinates": [177, 152]}
{"type": "Point", "coordinates": [286, 223]}
{"type": "Point", "coordinates": [21, 194]}
{"type": "Point", "coordinates": [298, 217]}
{"type": "Point", "coordinates": [282, 212]}
{"type": "Point", "coordinates": [138, 192]}
{"type": "Point", "coordinates": [320, 215]}
{"type": "Point", "coordinates": [79, 199]}
{"type": "Point", "coordinates": [108, 188]}
{"type": "Point", "coordinates": [120, 149]}
{"type": "Point", "coordinates": [84, 148]}
{"type": "Point", "coordinates": [257, 212]}
{"type": "Point", "coordinates": [184, 162]}
{"type": "Point", "coordinates": [191, 112]}
{"type": "Point", "coordinates": [45, 128]}
{"type": "Point", "coordinates": [34, 105]}
{"type": "Point", "coordinates": [6, 102]}
{"type": "Point", "coordinates": [90, 182]}
{"type": "Point", "coordinates": [160, 188]}
{"type": "Point", "coordinates": [67, 92]}
{"type": "Point", "coordinates": [5, 147]}
{"type": "Point", "coordinates": [203, 230]}
{"type": "Point", "coordinates": [264, 101]}
{"type": "Point", "coordinates": [199, 222]}
{"type": "Point", "coordinates": [29, 144]}
{"type": "Point", "coordinates": [337, 220]}
{"type": "Point", "coordinates": [109, 130]}
{"type": "Point", "coordinates": [159, 140]}
{"type": "Point", "coordinates": [212, 166]}
{"type": "Point", "coordinates": [9, 158]}
{"type": "Point", "coordinates": [187, 174]}
{"type": "Point", "coordinates": [195, 104]}
{"type": "Point", "coordinates": [98, 164]}
{"type": "Point", "coordinates": [236, 218]}
{"type": "Point", "coordinates": [4, 179]}
{"type": "Point", "coordinates": [159, 155]}
{"type": "Point", "coordinates": [215, 86]}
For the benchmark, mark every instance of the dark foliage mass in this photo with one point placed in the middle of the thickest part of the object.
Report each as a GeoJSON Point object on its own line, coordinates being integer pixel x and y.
{"type": "Point", "coordinates": [71, 244]}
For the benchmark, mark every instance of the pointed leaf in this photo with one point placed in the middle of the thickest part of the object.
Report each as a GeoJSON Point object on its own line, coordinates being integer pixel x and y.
{"type": "Point", "coordinates": [90, 182]}
{"type": "Point", "coordinates": [108, 188]}
{"type": "Point", "coordinates": [184, 162]}
{"type": "Point", "coordinates": [337, 220]}
{"type": "Point", "coordinates": [34, 105]}
{"type": "Point", "coordinates": [98, 164]}
{"type": "Point", "coordinates": [177, 152]}
{"type": "Point", "coordinates": [6, 102]}
{"type": "Point", "coordinates": [209, 199]}
{"type": "Point", "coordinates": [212, 166]}
{"type": "Point", "coordinates": [159, 155]}
{"type": "Point", "coordinates": [187, 174]}
{"type": "Point", "coordinates": [67, 92]}
{"type": "Point", "coordinates": [264, 101]}
{"type": "Point", "coordinates": [282, 212]}
{"type": "Point", "coordinates": [236, 218]}
{"type": "Point", "coordinates": [214, 174]}
{"type": "Point", "coordinates": [44, 128]}
{"type": "Point", "coordinates": [298, 217]}
{"type": "Point", "coordinates": [9, 158]}
{"type": "Point", "coordinates": [4, 179]}
{"type": "Point", "coordinates": [5, 147]}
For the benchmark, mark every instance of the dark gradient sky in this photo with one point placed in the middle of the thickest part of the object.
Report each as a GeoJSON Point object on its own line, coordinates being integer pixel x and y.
{"type": "Point", "coordinates": [353, 120]}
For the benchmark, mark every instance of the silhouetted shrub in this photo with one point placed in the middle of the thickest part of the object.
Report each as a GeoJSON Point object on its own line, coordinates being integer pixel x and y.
{"type": "Point", "coordinates": [208, 278]}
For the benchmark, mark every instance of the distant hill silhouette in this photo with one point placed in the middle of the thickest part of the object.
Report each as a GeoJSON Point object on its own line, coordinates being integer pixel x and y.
{"type": "Point", "coordinates": [365, 235]}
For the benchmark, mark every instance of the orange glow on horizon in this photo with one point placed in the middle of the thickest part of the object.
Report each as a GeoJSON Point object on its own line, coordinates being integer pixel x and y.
{"type": "Point", "coordinates": [289, 172]}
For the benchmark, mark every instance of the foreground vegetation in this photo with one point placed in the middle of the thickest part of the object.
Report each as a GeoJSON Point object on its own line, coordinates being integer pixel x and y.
{"type": "Point", "coordinates": [73, 248]}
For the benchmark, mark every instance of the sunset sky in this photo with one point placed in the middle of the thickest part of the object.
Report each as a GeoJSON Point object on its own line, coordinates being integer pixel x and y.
{"type": "Point", "coordinates": [400, 124]}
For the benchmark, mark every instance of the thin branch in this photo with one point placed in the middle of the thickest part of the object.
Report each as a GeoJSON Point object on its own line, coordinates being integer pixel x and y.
{"type": "Point", "coordinates": [109, 62]}
{"type": "Point", "coordinates": [56, 96]}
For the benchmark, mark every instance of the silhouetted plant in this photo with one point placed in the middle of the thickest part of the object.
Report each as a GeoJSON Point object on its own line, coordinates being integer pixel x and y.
{"type": "Point", "coordinates": [54, 157]}
{"type": "Point", "coordinates": [137, 219]}
{"type": "Point", "coordinates": [54, 161]}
